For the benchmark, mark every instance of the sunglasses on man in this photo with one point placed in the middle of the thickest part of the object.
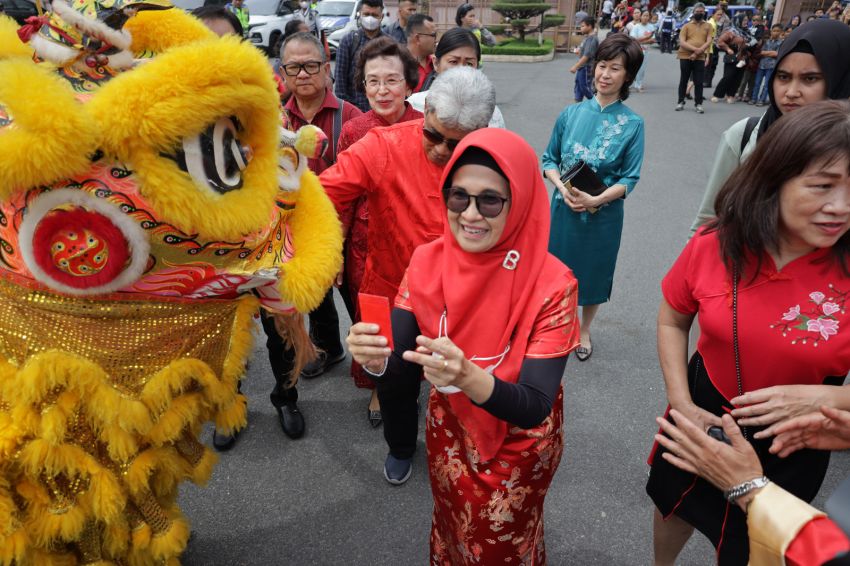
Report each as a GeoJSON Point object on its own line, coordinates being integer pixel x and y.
{"type": "Point", "coordinates": [437, 138]}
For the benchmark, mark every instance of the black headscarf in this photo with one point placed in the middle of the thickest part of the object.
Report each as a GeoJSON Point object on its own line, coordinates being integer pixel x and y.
{"type": "Point", "coordinates": [829, 42]}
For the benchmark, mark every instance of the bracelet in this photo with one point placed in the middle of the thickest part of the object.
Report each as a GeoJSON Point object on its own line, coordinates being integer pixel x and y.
{"type": "Point", "coordinates": [742, 489]}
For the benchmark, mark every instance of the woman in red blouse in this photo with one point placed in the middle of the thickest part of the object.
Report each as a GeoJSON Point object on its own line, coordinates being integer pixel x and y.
{"type": "Point", "coordinates": [769, 281]}
{"type": "Point", "coordinates": [489, 315]}
{"type": "Point", "coordinates": [388, 73]}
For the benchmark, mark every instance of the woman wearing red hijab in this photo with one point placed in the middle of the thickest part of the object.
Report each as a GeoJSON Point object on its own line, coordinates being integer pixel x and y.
{"type": "Point", "coordinates": [489, 316]}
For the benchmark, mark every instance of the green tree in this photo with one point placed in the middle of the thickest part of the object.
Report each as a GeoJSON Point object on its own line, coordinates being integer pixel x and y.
{"type": "Point", "coordinates": [520, 13]}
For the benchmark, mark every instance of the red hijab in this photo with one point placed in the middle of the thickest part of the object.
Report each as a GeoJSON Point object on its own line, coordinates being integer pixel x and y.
{"type": "Point", "coordinates": [488, 305]}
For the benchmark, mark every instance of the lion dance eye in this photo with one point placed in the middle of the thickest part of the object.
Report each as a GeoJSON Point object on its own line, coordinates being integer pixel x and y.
{"type": "Point", "coordinates": [215, 158]}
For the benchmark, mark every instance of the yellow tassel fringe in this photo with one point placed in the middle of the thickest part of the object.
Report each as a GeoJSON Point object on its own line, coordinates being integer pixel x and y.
{"type": "Point", "coordinates": [76, 451]}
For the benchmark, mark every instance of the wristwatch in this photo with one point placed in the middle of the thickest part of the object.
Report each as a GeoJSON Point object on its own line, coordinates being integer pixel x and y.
{"type": "Point", "coordinates": [742, 489]}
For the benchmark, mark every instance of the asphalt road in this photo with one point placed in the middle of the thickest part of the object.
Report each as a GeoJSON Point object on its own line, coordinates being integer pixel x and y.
{"type": "Point", "coordinates": [322, 500]}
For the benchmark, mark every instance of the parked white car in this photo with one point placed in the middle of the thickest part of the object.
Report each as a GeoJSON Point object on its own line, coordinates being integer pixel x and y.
{"type": "Point", "coordinates": [337, 18]}
{"type": "Point", "coordinates": [268, 18]}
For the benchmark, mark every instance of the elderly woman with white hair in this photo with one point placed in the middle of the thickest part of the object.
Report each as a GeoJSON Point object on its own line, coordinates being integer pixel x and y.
{"type": "Point", "coordinates": [398, 168]}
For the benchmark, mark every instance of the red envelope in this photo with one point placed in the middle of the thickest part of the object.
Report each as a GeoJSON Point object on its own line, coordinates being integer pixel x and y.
{"type": "Point", "coordinates": [375, 309]}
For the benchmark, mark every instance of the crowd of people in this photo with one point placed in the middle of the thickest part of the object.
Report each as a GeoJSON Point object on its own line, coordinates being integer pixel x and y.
{"type": "Point", "coordinates": [495, 352]}
{"type": "Point", "coordinates": [492, 285]}
{"type": "Point", "coordinates": [743, 41]}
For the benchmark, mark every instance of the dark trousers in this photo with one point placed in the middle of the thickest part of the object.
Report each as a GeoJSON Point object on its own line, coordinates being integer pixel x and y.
{"type": "Point", "coordinates": [728, 85]}
{"type": "Point", "coordinates": [282, 360]}
{"type": "Point", "coordinates": [748, 81]}
{"type": "Point", "coordinates": [687, 68]}
{"type": "Point", "coordinates": [398, 395]}
{"type": "Point", "coordinates": [324, 331]}
{"type": "Point", "coordinates": [710, 69]}
{"type": "Point", "coordinates": [324, 326]}
{"type": "Point", "coordinates": [666, 42]}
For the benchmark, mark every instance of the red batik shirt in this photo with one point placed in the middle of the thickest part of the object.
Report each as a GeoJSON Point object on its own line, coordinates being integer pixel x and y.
{"type": "Point", "coordinates": [793, 326]}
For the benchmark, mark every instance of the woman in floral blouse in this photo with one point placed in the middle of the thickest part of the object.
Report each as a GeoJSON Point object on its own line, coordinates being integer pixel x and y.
{"type": "Point", "coordinates": [489, 315]}
{"type": "Point", "coordinates": [605, 134]}
{"type": "Point", "coordinates": [773, 270]}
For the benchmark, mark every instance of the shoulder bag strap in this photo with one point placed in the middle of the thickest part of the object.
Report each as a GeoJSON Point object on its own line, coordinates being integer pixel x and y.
{"type": "Point", "coordinates": [752, 121]}
{"type": "Point", "coordinates": [337, 126]}
{"type": "Point", "coordinates": [735, 347]}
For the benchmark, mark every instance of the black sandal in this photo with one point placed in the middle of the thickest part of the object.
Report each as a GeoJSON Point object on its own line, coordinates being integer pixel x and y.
{"type": "Point", "coordinates": [583, 354]}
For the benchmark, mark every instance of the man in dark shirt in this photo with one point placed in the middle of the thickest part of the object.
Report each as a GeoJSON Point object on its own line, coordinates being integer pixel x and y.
{"type": "Point", "coordinates": [398, 29]}
{"type": "Point", "coordinates": [371, 13]}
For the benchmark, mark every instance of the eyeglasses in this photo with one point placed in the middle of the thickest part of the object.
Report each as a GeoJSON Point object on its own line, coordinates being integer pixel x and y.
{"type": "Point", "coordinates": [391, 83]}
{"type": "Point", "coordinates": [489, 205]}
{"type": "Point", "coordinates": [310, 67]}
{"type": "Point", "coordinates": [437, 138]}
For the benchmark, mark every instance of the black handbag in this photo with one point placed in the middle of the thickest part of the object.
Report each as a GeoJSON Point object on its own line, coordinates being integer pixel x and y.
{"type": "Point", "coordinates": [584, 178]}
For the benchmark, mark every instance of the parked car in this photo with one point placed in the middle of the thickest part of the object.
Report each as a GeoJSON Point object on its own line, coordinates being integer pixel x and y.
{"type": "Point", "coordinates": [19, 10]}
{"type": "Point", "coordinates": [335, 15]}
{"type": "Point", "coordinates": [266, 22]}
{"type": "Point", "coordinates": [335, 38]}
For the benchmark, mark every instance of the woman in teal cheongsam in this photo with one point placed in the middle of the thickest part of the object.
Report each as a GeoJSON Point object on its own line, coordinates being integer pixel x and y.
{"type": "Point", "coordinates": [608, 136]}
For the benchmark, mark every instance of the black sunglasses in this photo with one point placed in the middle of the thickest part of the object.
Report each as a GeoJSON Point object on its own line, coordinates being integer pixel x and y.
{"type": "Point", "coordinates": [310, 67]}
{"type": "Point", "coordinates": [437, 138]}
{"type": "Point", "coordinates": [489, 205]}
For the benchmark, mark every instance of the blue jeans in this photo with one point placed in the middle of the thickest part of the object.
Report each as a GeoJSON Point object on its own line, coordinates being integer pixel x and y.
{"type": "Point", "coordinates": [763, 76]}
{"type": "Point", "coordinates": [584, 84]}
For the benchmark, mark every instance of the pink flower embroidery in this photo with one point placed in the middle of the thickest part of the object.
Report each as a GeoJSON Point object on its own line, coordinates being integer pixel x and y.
{"type": "Point", "coordinates": [826, 326]}
{"type": "Point", "coordinates": [792, 313]}
{"type": "Point", "coordinates": [817, 297]}
{"type": "Point", "coordinates": [830, 308]}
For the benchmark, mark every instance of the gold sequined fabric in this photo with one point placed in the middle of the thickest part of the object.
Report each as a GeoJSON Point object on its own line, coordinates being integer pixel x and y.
{"type": "Point", "coordinates": [101, 402]}
{"type": "Point", "coordinates": [130, 340]}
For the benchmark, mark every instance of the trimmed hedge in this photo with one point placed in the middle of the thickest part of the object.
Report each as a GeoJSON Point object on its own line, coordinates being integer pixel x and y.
{"type": "Point", "coordinates": [498, 29]}
{"type": "Point", "coordinates": [515, 47]}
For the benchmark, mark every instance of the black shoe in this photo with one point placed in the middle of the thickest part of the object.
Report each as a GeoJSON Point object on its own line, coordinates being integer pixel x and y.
{"type": "Point", "coordinates": [321, 364]}
{"type": "Point", "coordinates": [291, 420]}
{"type": "Point", "coordinates": [224, 442]}
{"type": "Point", "coordinates": [375, 418]}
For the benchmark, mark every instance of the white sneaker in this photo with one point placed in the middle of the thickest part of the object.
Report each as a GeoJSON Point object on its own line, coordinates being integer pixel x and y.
{"type": "Point", "coordinates": [699, 109]}
{"type": "Point", "coordinates": [680, 106]}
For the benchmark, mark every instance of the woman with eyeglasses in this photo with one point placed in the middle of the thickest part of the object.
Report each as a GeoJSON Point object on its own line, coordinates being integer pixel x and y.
{"type": "Point", "coordinates": [387, 72]}
{"type": "Point", "coordinates": [458, 47]}
{"type": "Point", "coordinates": [488, 315]}
{"type": "Point", "coordinates": [607, 136]}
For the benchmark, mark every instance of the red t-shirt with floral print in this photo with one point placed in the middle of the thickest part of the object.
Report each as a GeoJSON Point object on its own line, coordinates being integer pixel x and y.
{"type": "Point", "coordinates": [791, 322]}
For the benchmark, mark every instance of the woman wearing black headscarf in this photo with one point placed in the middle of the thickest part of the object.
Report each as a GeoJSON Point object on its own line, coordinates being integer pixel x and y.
{"type": "Point", "coordinates": [812, 65]}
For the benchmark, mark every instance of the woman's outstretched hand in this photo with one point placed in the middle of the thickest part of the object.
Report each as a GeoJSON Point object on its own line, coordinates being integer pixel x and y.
{"type": "Point", "coordinates": [692, 450]}
{"type": "Point", "coordinates": [828, 429]}
{"type": "Point", "coordinates": [368, 348]}
{"type": "Point", "coordinates": [773, 405]}
{"type": "Point", "coordinates": [443, 363]}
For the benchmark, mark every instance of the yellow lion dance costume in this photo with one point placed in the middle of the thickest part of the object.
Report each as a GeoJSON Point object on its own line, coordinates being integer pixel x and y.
{"type": "Point", "coordinates": [147, 208]}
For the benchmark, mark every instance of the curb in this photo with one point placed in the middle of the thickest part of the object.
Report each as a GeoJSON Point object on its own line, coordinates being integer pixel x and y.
{"type": "Point", "coordinates": [518, 58]}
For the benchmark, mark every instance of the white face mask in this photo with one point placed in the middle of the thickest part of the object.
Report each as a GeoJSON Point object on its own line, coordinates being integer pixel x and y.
{"type": "Point", "coordinates": [303, 5]}
{"type": "Point", "coordinates": [370, 23]}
